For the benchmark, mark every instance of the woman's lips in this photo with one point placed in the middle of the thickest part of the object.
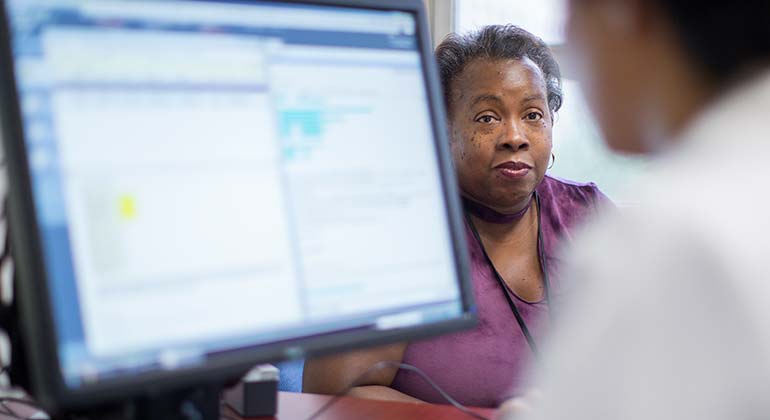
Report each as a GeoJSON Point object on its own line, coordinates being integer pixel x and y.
{"type": "Point", "coordinates": [513, 170]}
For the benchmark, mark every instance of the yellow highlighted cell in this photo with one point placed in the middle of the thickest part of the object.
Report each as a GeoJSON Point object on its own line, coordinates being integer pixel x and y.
{"type": "Point", "coordinates": [127, 206]}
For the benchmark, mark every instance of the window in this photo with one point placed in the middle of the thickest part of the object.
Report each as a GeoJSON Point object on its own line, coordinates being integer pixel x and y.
{"type": "Point", "coordinates": [580, 152]}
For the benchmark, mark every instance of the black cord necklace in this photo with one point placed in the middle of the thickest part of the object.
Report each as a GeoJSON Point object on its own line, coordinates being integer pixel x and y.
{"type": "Point", "coordinates": [541, 256]}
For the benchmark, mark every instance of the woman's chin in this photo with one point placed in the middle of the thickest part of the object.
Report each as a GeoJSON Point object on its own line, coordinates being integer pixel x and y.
{"type": "Point", "coordinates": [510, 201]}
{"type": "Point", "coordinates": [514, 191]}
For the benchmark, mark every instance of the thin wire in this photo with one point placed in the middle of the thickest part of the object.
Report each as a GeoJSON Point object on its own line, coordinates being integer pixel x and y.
{"type": "Point", "coordinates": [29, 403]}
{"type": "Point", "coordinates": [12, 413]}
{"type": "Point", "coordinates": [503, 288]}
{"type": "Point", "coordinates": [380, 365]}
{"type": "Point", "coordinates": [8, 411]}
{"type": "Point", "coordinates": [355, 383]}
{"type": "Point", "coordinates": [222, 406]}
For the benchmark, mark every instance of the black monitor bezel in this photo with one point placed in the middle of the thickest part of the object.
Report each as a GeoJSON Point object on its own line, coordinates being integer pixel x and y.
{"type": "Point", "coordinates": [37, 321]}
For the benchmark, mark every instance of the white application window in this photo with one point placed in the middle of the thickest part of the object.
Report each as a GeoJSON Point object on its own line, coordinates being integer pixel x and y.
{"type": "Point", "coordinates": [361, 168]}
{"type": "Point", "coordinates": [172, 179]}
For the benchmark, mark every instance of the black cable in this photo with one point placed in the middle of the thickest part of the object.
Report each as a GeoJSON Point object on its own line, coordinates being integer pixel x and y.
{"type": "Point", "coordinates": [27, 402]}
{"type": "Point", "coordinates": [541, 256]}
{"type": "Point", "coordinates": [7, 410]}
{"type": "Point", "coordinates": [404, 366]}
{"type": "Point", "coordinates": [516, 314]}
{"type": "Point", "coordinates": [223, 406]}
{"type": "Point", "coordinates": [12, 413]}
{"type": "Point", "coordinates": [546, 281]}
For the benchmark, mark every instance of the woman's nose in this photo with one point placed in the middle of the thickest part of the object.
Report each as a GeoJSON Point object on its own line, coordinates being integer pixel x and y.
{"type": "Point", "coordinates": [514, 138]}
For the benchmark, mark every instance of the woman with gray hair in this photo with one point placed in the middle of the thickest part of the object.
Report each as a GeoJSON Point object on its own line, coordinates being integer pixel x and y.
{"type": "Point", "coordinates": [502, 88]}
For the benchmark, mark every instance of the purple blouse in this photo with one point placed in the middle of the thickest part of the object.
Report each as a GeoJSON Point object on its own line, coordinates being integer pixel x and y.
{"type": "Point", "coordinates": [486, 365]}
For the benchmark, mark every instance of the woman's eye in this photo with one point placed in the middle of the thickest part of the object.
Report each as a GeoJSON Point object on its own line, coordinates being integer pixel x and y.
{"type": "Point", "coordinates": [534, 116]}
{"type": "Point", "coordinates": [486, 119]}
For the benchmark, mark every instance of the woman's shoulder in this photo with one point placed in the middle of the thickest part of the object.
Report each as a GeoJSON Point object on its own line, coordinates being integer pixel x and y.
{"type": "Point", "coordinates": [567, 205]}
{"type": "Point", "coordinates": [562, 192]}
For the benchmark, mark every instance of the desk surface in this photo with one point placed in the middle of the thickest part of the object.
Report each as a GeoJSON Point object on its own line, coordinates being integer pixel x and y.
{"type": "Point", "coordinates": [292, 406]}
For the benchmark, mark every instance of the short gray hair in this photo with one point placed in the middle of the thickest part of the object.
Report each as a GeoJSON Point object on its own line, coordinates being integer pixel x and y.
{"type": "Point", "coordinates": [497, 42]}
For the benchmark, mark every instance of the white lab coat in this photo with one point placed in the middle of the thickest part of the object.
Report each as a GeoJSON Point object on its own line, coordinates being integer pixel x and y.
{"type": "Point", "coordinates": [672, 319]}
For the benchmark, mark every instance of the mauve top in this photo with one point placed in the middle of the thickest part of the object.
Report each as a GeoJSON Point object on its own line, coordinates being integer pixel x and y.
{"type": "Point", "coordinates": [486, 365]}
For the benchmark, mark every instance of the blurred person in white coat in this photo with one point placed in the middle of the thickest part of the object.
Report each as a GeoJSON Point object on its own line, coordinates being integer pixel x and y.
{"type": "Point", "coordinates": [672, 316]}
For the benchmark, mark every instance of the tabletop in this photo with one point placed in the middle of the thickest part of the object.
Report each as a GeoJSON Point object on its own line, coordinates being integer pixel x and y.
{"type": "Point", "coordinates": [296, 406]}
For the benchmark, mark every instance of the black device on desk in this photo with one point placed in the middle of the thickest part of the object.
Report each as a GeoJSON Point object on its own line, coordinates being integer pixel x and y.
{"type": "Point", "coordinates": [199, 186]}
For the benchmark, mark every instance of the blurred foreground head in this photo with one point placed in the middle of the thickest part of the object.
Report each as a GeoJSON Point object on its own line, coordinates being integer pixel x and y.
{"type": "Point", "coordinates": [649, 66]}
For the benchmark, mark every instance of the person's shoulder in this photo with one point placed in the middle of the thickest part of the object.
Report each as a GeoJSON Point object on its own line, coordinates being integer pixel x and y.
{"type": "Point", "coordinates": [563, 192]}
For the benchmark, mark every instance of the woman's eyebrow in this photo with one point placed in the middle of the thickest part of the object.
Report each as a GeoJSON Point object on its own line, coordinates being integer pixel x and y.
{"type": "Point", "coordinates": [533, 98]}
{"type": "Point", "coordinates": [486, 97]}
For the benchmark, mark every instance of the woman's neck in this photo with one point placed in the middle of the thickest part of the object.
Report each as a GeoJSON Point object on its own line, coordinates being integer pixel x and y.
{"type": "Point", "coordinates": [493, 215]}
{"type": "Point", "coordinates": [516, 231]}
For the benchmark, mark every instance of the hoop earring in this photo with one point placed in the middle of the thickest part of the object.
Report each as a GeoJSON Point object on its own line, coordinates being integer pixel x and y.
{"type": "Point", "coordinates": [553, 162]}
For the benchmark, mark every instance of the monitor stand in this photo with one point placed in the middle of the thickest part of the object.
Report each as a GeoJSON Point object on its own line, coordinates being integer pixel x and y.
{"type": "Point", "coordinates": [200, 403]}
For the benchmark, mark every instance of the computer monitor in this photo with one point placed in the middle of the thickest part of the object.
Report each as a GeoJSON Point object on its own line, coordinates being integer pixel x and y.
{"type": "Point", "coordinates": [197, 186]}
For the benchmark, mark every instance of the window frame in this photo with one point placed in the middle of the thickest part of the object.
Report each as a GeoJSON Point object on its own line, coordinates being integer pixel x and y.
{"type": "Point", "coordinates": [441, 16]}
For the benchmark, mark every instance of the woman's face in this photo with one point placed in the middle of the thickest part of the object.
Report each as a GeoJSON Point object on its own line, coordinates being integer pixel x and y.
{"type": "Point", "coordinates": [500, 128]}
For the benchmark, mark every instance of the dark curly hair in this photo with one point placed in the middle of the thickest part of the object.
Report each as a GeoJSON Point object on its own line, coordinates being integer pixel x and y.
{"type": "Point", "coordinates": [497, 42]}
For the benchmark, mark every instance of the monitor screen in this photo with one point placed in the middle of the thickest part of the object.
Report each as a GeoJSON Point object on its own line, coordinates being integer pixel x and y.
{"type": "Point", "coordinates": [209, 176]}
